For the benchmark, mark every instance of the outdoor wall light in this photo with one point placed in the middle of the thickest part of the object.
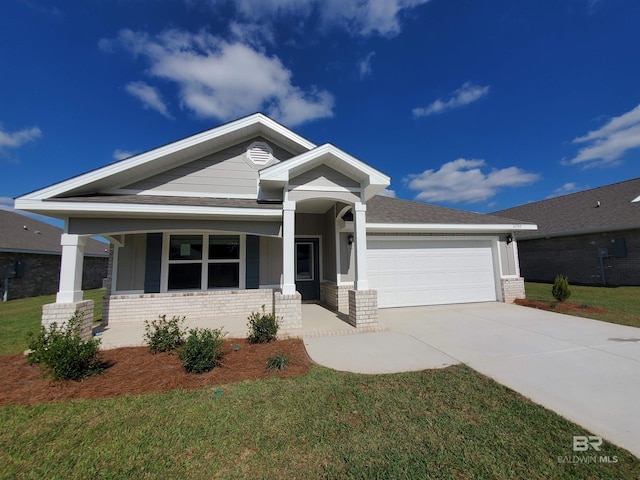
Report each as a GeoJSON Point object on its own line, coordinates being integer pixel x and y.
{"type": "Point", "coordinates": [509, 239]}
{"type": "Point", "coordinates": [350, 239]}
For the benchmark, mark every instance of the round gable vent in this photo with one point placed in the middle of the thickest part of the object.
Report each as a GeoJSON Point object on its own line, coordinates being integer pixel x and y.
{"type": "Point", "coordinates": [259, 153]}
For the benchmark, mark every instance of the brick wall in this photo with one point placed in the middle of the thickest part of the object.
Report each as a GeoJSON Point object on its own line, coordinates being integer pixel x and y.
{"type": "Point", "coordinates": [335, 297]}
{"type": "Point", "coordinates": [363, 309]}
{"type": "Point", "coordinates": [288, 310]}
{"type": "Point", "coordinates": [512, 288]}
{"type": "Point", "coordinates": [577, 258]}
{"type": "Point", "coordinates": [61, 313]}
{"type": "Point", "coordinates": [196, 306]}
{"type": "Point", "coordinates": [42, 274]}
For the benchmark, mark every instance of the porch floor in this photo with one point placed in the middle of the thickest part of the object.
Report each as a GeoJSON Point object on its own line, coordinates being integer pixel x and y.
{"type": "Point", "coordinates": [317, 321]}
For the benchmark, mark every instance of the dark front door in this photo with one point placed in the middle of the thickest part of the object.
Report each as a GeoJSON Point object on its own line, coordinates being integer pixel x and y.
{"type": "Point", "coordinates": [308, 268]}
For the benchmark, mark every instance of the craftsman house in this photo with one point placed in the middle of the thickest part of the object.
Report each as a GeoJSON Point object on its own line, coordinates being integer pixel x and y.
{"type": "Point", "coordinates": [249, 214]}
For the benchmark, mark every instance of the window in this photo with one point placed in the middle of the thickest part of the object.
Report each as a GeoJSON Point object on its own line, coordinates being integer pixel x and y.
{"type": "Point", "coordinates": [201, 262]}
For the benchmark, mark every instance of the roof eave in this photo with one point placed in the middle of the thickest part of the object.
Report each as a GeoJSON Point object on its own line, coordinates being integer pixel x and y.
{"type": "Point", "coordinates": [586, 231]}
{"type": "Point", "coordinates": [448, 227]}
{"type": "Point", "coordinates": [69, 208]}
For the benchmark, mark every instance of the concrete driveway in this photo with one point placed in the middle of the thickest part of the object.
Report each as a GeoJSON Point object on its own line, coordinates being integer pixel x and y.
{"type": "Point", "coordinates": [586, 370]}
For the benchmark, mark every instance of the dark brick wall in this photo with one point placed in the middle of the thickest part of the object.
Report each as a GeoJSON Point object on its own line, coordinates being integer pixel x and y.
{"type": "Point", "coordinates": [42, 274]}
{"type": "Point", "coordinates": [577, 258]}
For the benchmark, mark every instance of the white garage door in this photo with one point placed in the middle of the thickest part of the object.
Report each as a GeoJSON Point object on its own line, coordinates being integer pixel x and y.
{"type": "Point", "coordinates": [430, 272]}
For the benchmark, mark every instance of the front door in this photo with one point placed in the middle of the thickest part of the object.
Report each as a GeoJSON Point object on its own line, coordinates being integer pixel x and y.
{"type": "Point", "coordinates": [308, 268]}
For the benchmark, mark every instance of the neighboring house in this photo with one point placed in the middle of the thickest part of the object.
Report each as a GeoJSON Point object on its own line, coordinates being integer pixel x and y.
{"type": "Point", "coordinates": [250, 214]}
{"type": "Point", "coordinates": [34, 247]}
{"type": "Point", "coordinates": [592, 237]}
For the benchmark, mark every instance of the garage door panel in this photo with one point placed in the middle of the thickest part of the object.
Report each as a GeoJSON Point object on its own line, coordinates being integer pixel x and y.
{"type": "Point", "coordinates": [411, 273]}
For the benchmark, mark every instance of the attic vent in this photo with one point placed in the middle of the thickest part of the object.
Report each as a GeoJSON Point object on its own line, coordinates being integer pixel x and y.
{"type": "Point", "coordinates": [259, 153]}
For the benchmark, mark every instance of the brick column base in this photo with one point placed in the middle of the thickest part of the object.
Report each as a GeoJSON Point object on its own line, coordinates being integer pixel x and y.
{"type": "Point", "coordinates": [363, 309]}
{"type": "Point", "coordinates": [61, 313]}
{"type": "Point", "coordinates": [512, 288]}
{"type": "Point", "coordinates": [288, 311]}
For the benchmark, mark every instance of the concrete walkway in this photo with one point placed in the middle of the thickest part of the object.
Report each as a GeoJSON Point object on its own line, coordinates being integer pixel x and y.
{"type": "Point", "coordinates": [586, 370]}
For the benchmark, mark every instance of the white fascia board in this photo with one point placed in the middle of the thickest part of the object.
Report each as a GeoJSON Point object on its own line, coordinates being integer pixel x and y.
{"type": "Point", "coordinates": [141, 159]}
{"type": "Point", "coordinates": [444, 227]}
{"type": "Point", "coordinates": [115, 208]}
{"type": "Point", "coordinates": [280, 172]}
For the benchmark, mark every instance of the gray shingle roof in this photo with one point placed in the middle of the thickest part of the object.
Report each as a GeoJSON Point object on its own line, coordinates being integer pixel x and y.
{"type": "Point", "coordinates": [394, 210]}
{"type": "Point", "coordinates": [579, 212]}
{"type": "Point", "coordinates": [37, 237]}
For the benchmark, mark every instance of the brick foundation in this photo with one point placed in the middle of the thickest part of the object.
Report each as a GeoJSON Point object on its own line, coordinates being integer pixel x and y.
{"type": "Point", "coordinates": [335, 297]}
{"type": "Point", "coordinates": [288, 310]}
{"type": "Point", "coordinates": [196, 306]}
{"type": "Point", "coordinates": [61, 313]}
{"type": "Point", "coordinates": [512, 288]}
{"type": "Point", "coordinates": [363, 308]}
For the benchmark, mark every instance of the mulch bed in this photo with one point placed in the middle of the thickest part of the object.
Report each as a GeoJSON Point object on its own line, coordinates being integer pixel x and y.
{"type": "Point", "coordinates": [561, 307]}
{"type": "Point", "coordinates": [134, 370]}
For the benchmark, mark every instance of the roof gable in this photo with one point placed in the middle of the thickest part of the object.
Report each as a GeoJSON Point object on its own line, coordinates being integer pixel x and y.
{"type": "Point", "coordinates": [371, 180]}
{"type": "Point", "coordinates": [608, 208]}
{"type": "Point", "coordinates": [175, 154]}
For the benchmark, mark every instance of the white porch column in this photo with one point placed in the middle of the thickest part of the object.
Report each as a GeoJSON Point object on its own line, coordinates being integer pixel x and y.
{"type": "Point", "coordinates": [70, 290]}
{"type": "Point", "coordinates": [288, 248]}
{"type": "Point", "coordinates": [360, 230]}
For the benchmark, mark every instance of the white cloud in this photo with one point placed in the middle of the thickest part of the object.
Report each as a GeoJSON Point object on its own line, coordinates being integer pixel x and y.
{"type": "Point", "coordinates": [225, 80]}
{"type": "Point", "coordinates": [364, 65]}
{"type": "Point", "coordinates": [122, 154]}
{"type": "Point", "coordinates": [465, 95]}
{"type": "Point", "coordinates": [359, 17]}
{"type": "Point", "coordinates": [387, 193]}
{"type": "Point", "coordinates": [610, 142]}
{"type": "Point", "coordinates": [149, 96]}
{"type": "Point", "coordinates": [462, 181]}
{"type": "Point", "coordinates": [19, 138]}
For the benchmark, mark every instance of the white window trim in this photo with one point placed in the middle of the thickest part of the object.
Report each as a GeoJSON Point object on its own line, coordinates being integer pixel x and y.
{"type": "Point", "coordinates": [164, 269]}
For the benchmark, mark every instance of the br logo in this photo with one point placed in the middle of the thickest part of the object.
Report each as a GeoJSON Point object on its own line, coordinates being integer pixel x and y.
{"type": "Point", "coordinates": [582, 443]}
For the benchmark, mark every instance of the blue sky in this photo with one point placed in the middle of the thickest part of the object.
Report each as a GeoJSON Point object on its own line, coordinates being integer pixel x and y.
{"type": "Point", "coordinates": [478, 105]}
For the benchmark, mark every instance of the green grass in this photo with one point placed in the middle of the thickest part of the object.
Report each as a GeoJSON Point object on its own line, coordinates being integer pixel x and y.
{"type": "Point", "coordinates": [18, 317]}
{"type": "Point", "coordinates": [622, 303]}
{"type": "Point", "coordinates": [451, 423]}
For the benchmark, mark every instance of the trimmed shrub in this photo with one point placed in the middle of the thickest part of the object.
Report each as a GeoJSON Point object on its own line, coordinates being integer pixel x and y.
{"type": "Point", "coordinates": [202, 350]}
{"type": "Point", "coordinates": [279, 361]}
{"type": "Point", "coordinates": [561, 290]}
{"type": "Point", "coordinates": [164, 335]}
{"type": "Point", "coordinates": [263, 327]}
{"type": "Point", "coordinates": [63, 354]}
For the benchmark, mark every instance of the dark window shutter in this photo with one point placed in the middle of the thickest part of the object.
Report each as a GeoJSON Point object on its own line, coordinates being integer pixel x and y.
{"type": "Point", "coordinates": [253, 261]}
{"type": "Point", "coordinates": [153, 263]}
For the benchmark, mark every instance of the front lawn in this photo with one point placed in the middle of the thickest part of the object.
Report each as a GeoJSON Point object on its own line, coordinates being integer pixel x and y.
{"type": "Point", "coordinates": [622, 304]}
{"type": "Point", "coordinates": [451, 423]}
{"type": "Point", "coordinates": [18, 317]}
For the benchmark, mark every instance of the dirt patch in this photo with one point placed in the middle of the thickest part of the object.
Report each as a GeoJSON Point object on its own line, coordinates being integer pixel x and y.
{"type": "Point", "coordinates": [561, 307]}
{"type": "Point", "coordinates": [134, 370]}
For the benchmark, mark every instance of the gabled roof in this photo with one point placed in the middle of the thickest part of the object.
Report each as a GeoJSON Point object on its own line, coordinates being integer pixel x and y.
{"type": "Point", "coordinates": [174, 154]}
{"type": "Point", "coordinates": [19, 233]}
{"type": "Point", "coordinates": [385, 213]}
{"type": "Point", "coordinates": [373, 180]}
{"type": "Point", "coordinates": [610, 208]}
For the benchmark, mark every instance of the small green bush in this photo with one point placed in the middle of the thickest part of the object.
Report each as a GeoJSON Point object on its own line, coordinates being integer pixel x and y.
{"type": "Point", "coordinates": [63, 354]}
{"type": "Point", "coordinates": [279, 361]}
{"type": "Point", "coordinates": [263, 327]}
{"type": "Point", "coordinates": [202, 350]}
{"type": "Point", "coordinates": [561, 290]}
{"type": "Point", "coordinates": [164, 335]}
